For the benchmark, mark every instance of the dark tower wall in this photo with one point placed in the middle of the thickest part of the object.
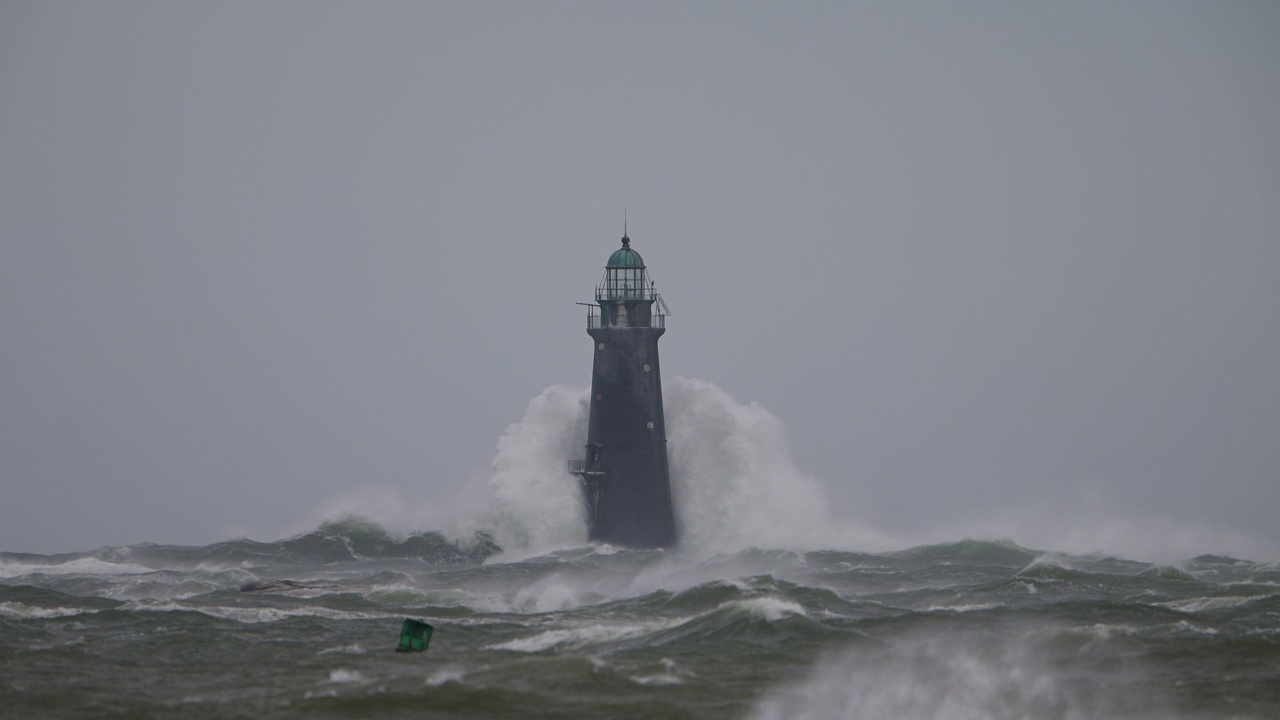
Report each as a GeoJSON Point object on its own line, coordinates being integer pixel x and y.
{"type": "Point", "coordinates": [626, 482]}
{"type": "Point", "coordinates": [627, 428]}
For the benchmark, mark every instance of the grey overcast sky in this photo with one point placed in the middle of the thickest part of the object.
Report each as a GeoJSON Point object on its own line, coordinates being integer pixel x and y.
{"type": "Point", "coordinates": [982, 259]}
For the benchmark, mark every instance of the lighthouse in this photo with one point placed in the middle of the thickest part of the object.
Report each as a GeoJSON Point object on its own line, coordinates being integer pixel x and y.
{"type": "Point", "coordinates": [624, 474]}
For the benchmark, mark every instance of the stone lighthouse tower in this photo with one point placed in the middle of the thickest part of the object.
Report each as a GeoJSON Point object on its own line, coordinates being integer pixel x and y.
{"type": "Point", "coordinates": [624, 472]}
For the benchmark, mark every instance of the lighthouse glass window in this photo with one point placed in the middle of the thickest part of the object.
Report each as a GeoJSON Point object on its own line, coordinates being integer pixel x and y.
{"type": "Point", "coordinates": [626, 282]}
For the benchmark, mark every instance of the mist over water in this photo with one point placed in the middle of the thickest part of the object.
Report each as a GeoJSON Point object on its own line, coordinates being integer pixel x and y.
{"type": "Point", "coordinates": [957, 677]}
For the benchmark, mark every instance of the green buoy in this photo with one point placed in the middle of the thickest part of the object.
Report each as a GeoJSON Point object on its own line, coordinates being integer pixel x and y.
{"type": "Point", "coordinates": [414, 636]}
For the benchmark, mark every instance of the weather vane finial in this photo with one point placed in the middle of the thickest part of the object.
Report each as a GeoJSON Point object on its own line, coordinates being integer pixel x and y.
{"type": "Point", "coordinates": [625, 240]}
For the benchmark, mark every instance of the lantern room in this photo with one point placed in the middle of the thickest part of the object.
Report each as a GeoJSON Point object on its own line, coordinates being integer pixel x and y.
{"type": "Point", "coordinates": [624, 276]}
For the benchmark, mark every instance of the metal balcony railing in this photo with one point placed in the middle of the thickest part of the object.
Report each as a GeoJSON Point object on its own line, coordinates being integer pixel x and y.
{"type": "Point", "coordinates": [655, 320]}
{"type": "Point", "coordinates": [580, 467]}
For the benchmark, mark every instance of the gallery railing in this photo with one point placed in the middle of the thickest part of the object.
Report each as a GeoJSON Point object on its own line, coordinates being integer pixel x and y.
{"type": "Point", "coordinates": [656, 320]}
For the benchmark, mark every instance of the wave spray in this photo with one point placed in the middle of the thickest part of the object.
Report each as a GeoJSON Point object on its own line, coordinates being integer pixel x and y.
{"type": "Point", "coordinates": [733, 480]}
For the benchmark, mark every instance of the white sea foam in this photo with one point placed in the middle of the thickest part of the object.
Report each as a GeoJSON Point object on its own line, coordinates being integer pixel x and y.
{"type": "Point", "coordinates": [579, 636]}
{"type": "Point", "coordinates": [1185, 627]}
{"type": "Point", "coordinates": [342, 675]}
{"type": "Point", "coordinates": [974, 607]}
{"type": "Point", "coordinates": [252, 615]}
{"type": "Point", "coordinates": [167, 586]}
{"type": "Point", "coordinates": [402, 594]}
{"type": "Point", "coordinates": [771, 608]}
{"type": "Point", "coordinates": [352, 649]}
{"type": "Point", "coordinates": [22, 611]}
{"type": "Point", "coordinates": [658, 679]}
{"type": "Point", "coordinates": [669, 674]}
{"type": "Point", "coordinates": [78, 566]}
{"type": "Point", "coordinates": [1195, 605]}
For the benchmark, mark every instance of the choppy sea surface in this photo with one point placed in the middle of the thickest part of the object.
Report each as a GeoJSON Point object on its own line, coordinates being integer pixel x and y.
{"type": "Point", "coordinates": [971, 629]}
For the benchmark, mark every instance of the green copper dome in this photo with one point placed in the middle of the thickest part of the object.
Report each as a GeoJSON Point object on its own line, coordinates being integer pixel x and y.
{"type": "Point", "coordinates": [625, 257]}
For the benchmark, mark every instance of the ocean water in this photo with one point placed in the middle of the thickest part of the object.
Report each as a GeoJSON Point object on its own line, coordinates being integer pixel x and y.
{"type": "Point", "coordinates": [770, 608]}
{"type": "Point", "coordinates": [961, 630]}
